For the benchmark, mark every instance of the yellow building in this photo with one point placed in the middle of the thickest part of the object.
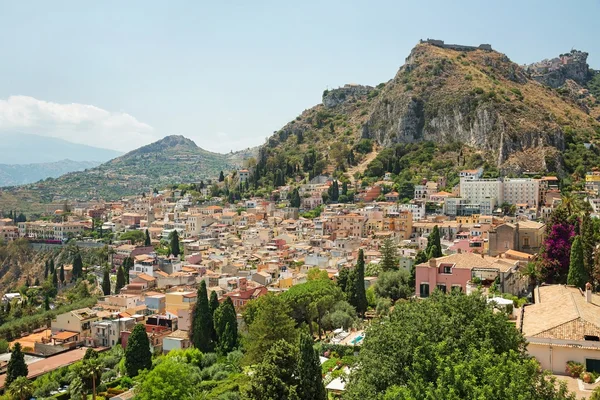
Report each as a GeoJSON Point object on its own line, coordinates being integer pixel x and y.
{"type": "Point", "coordinates": [180, 300]}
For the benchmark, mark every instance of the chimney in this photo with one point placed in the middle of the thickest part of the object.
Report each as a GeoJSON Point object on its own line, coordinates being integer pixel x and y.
{"type": "Point", "coordinates": [588, 292]}
{"type": "Point", "coordinates": [243, 284]}
{"type": "Point", "coordinates": [432, 263]}
{"type": "Point", "coordinates": [482, 255]}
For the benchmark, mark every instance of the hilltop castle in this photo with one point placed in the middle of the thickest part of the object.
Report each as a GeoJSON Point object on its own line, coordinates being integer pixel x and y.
{"type": "Point", "coordinates": [459, 47]}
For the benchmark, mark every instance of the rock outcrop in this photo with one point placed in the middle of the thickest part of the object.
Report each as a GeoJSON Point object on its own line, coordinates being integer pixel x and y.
{"type": "Point", "coordinates": [556, 71]}
{"type": "Point", "coordinates": [335, 97]}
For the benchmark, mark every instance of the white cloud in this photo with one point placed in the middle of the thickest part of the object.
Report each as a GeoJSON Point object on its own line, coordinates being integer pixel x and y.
{"type": "Point", "coordinates": [78, 123]}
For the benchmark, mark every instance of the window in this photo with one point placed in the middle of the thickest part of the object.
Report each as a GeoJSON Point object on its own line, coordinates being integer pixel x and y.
{"type": "Point", "coordinates": [526, 242]}
{"type": "Point", "coordinates": [424, 290]}
{"type": "Point", "coordinates": [457, 288]}
{"type": "Point", "coordinates": [447, 269]}
{"type": "Point", "coordinates": [442, 287]}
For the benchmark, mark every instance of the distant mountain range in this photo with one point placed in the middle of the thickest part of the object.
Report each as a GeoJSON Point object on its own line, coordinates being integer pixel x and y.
{"type": "Point", "coordinates": [171, 160]}
{"type": "Point", "coordinates": [21, 148]}
{"type": "Point", "coordinates": [21, 174]}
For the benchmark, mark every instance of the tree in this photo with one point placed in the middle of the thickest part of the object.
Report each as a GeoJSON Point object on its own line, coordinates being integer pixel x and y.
{"type": "Point", "coordinates": [174, 244]}
{"type": "Point", "coordinates": [394, 285]}
{"type": "Point", "coordinates": [533, 275]}
{"type": "Point", "coordinates": [357, 295]}
{"type": "Point", "coordinates": [295, 200]}
{"type": "Point", "coordinates": [54, 280]}
{"type": "Point", "coordinates": [275, 377]}
{"type": "Point", "coordinates": [316, 273]}
{"type": "Point", "coordinates": [340, 315]}
{"type": "Point", "coordinates": [16, 365]}
{"type": "Point", "coordinates": [46, 303]}
{"type": "Point", "coordinates": [556, 250]}
{"type": "Point", "coordinates": [213, 305]}
{"type": "Point", "coordinates": [21, 388]}
{"type": "Point", "coordinates": [202, 322]}
{"type": "Point", "coordinates": [77, 267]}
{"type": "Point", "coordinates": [460, 349]}
{"type": "Point", "coordinates": [92, 369]}
{"type": "Point", "coordinates": [170, 379]}
{"type": "Point", "coordinates": [51, 265]}
{"type": "Point", "coordinates": [135, 236]}
{"type": "Point", "coordinates": [389, 256]}
{"type": "Point", "coordinates": [120, 279]}
{"type": "Point", "coordinates": [271, 324]}
{"type": "Point", "coordinates": [46, 269]}
{"type": "Point", "coordinates": [588, 242]}
{"type": "Point", "coordinates": [61, 275]}
{"type": "Point", "coordinates": [137, 353]}
{"type": "Point", "coordinates": [434, 240]}
{"type": "Point", "coordinates": [106, 282]}
{"type": "Point", "coordinates": [310, 380]}
{"type": "Point", "coordinates": [577, 273]}
{"type": "Point", "coordinates": [127, 265]}
{"type": "Point", "coordinates": [221, 176]}
{"type": "Point", "coordinates": [147, 241]}
{"type": "Point", "coordinates": [225, 321]}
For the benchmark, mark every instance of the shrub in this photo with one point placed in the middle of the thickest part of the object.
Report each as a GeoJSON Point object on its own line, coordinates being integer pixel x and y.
{"type": "Point", "coordinates": [574, 368]}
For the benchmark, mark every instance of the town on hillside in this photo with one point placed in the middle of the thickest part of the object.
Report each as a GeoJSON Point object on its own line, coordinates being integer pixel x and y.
{"type": "Point", "coordinates": [160, 247]}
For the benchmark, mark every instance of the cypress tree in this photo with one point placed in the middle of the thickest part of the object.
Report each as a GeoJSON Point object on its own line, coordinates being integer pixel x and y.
{"type": "Point", "coordinates": [62, 274]}
{"type": "Point", "coordinates": [221, 176]}
{"type": "Point", "coordinates": [77, 267]}
{"type": "Point", "coordinates": [389, 256]}
{"type": "Point", "coordinates": [308, 371]}
{"type": "Point", "coordinates": [147, 241]}
{"type": "Point", "coordinates": [127, 264]}
{"type": "Point", "coordinates": [16, 365]}
{"type": "Point", "coordinates": [202, 322]}
{"type": "Point", "coordinates": [588, 243]}
{"type": "Point", "coordinates": [434, 240]}
{"type": "Point", "coordinates": [225, 321]}
{"type": "Point", "coordinates": [46, 269]}
{"type": "Point", "coordinates": [213, 306]}
{"type": "Point", "coordinates": [361, 294]}
{"type": "Point", "coordinates": [120, 279]}
{"type": "Point", "coordinates": [106, 282]}
{"type": "Point", "coordinates": [51, 266]}
{"type": "Point", "coordinates": [137, 352]}
{"type": "Point", "coordinates": [577, 273]}
{"type": "Point", "coordinates": [46, 302]}
{"type": "Point", "coordinates": [55, 280]}
{"type": "Point", "coordinates": [175, 243]}
{"type": "Point", "coordinates": [345, 188]}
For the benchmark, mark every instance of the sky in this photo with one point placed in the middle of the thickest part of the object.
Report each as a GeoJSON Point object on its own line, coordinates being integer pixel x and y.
{"type": "Point", "coordinates": [227, 74]}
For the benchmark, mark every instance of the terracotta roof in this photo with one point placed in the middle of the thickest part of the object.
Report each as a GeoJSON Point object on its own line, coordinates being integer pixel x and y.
{"type": "Point", "coordinates": [146, 277]}
{"type": "Point", "coordinates": [64, 335]}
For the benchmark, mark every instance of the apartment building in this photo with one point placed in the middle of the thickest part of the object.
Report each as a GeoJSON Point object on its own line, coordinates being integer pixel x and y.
{"type": "Point", "coordinates": [50, 230]}
{"type": "Point", "coordinates": [522, 191]}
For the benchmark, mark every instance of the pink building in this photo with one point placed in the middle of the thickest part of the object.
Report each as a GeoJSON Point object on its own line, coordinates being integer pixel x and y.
{"type": "Point", "coordinates": [455, 271]}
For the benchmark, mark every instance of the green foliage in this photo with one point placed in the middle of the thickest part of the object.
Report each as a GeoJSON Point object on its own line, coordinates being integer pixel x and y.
{"type": "Point", "coordinates": [170, 379]}
{"type": "Point", "coordinates": [310, 381]}
{"type": "Point", "coordinates": [16, 365]}
{"type": "Point", "coordinates": [365, 146]}
{"type": "Point", "coordinates": [77, 271]}
{"type": "Point", "coordinates": [225, 321]}
{"type": "Point", "coordinates": [317, 274]}
{"type": "Point", "coordinates": [577, 273]}
{"type": "Point", "coordinates": [106, 282]}
{"type": "Point", "coordinates": [21, 388]}
{"type": "Point", "coordinates": [434, 245]}
{"type": "Point", "coordinates": [202, 328]}
{"type": "Point", "coordinates": [135, 236]}
{"type": "Point", "coordinates": [147, 240]}
{"type": "Point", "coordinates": [357, 296]}
{"type": "Point", "coordinates": [3, 346]}
{"type": "Point", "coordinates": [403, 359]}
{"type": "Point", "coordinates": [394, 285]}
{"type": "Point", "coordinates": [137, 353]}
{"type": "Point", "coordinates": [389, 256]}
{"type": "Point", "coordinates": [269, 324]}
{"type": "Point", "coordinates": [120, 279]}
{"type": "Point", "coordinates": [174, 244]}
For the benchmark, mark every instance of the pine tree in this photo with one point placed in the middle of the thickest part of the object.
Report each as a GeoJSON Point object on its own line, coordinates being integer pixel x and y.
{"type": "Point", "coordinates": [106, 282]}
{"type": "Point", "coordinates": [61, 275]}
{"type": "Point", "coordinates": [202, 322]}
{"type": "Point", "coordinates": [16, 365]}
{"type": "Point", "coordinates": [389, 256]}
{"type": "Point", "coordinates": [175, 243]}
{"type": "Point", "coordinates": [120, 279]}
{"type": "Point", "coordinates": [361, 294]}
{"type": "Point", "coordinates": [137, 352]}
{"type": "Point", "coordinates": [577, 273]}
{"type": "Point", "coordinates": [308, 371]}
{"type": "Point", "coordinates": [147, 241]}
{"type": "Point", "coordinates": [221, 176]}
{"type": "Point", "coordinates": [225, 322]}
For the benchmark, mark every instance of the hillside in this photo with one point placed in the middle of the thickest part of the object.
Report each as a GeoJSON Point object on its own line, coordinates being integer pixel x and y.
{"type": "Point", "coordinates": [446, 109]}
{"type": "Point", "coordinates": [21, 174]}
{"type": "Point", "coordinates": [21, 148]}
{"type": "Point", "coordinates": [171, 160]}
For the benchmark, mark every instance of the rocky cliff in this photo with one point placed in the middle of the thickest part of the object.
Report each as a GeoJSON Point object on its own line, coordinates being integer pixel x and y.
{"type": "Point", "coordinates": [555, 72]}
{"type": "Point", "coordinates": [479, 99]}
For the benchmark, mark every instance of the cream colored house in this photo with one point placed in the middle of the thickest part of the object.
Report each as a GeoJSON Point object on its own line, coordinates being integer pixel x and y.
{"type": "Point", "coordinates": [563, 325]}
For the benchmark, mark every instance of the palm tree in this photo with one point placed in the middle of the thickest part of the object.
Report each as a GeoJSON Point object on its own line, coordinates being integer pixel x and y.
{"type": "Point", "coordinates": [533, 273]}
{"type": "Point", "coordinates": [21, 388]}
{"type": "Point", "coordinates": [92, 369]}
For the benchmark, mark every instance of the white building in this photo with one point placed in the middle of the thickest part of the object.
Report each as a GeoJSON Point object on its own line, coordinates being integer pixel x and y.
{"type": "Point", "coordinates": [522, 191]}
{"type": "Point", "coordinates": [477, 190]}
{"type": "Point", "coordinates": [417, 210]}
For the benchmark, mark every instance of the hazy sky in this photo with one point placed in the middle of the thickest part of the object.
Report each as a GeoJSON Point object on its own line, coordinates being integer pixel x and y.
{"type": "Point", "coordinates": [120, 74]}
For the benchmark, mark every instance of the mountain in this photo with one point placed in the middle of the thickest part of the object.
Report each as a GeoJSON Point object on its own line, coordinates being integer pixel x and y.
{"type": "Point", "coordinates": [21, 174]}
{"type": "Point", "coordinates": [449, 107]}
{"type": "Point", "coordinates": [21, 148]}
{"type": "Point", "coordinates": [171, 160]}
